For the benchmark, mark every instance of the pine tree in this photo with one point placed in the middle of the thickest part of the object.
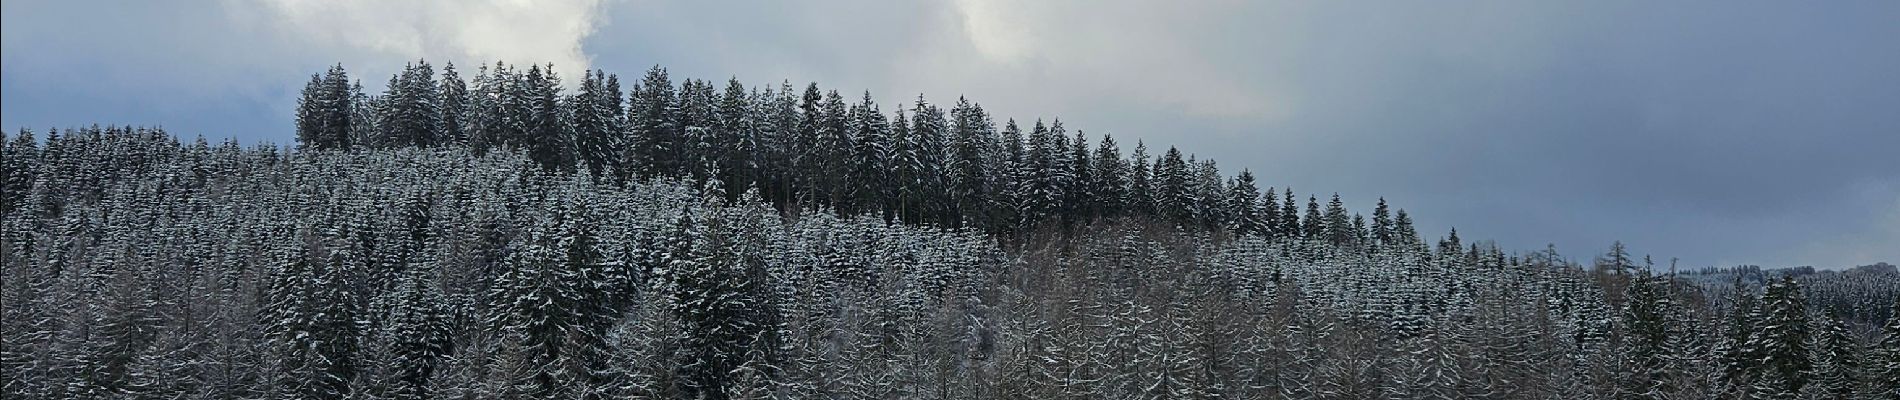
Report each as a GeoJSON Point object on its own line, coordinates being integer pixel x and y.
{"type": "Point", "coordinates": [1403, 231]}
{"type": "Point", "coordinates": [736, 149]}
{"type": "Point", "coordinates": [1740, 362]}
{"type": "Point", "coordinates": [832, 149]}
{"type": "Point", "coordinates": [1382, 224]}
{"type": "Point", "coordinates": [719, 298]}
{"type": "Point", "coordinates": [1111, 175]}
{"type": "Point", "coordinates": [1648, 337]}
{"type": "Point", "coordinates": [420, 332]}
{"type": "Point", "coordinates": [974, 139]}
{"type": "Point", "coordinates": [1269, 212]}
{"type": "Point", "coordinates": [597, 114]}
{"type": "Point", "coordinates": [1209, 193]}
{"type": "Point", "coordinates": [1290, 217]}
{"type": "Point", "coordinates": [1782, 337]}
{"type": "Point", "coordinates": [125, 331]}
{"type": "Point", "coordinates": [551, 303]}
{"type": "Point", "coordinates": [313, 325]}
{"type": "Point", "coordinates": [1338, 225]}
{"type": "Point", "coordinates": [1080, 197]}
{"type": "Point", "coordinates": [324, 111]}
{"type": "Point", "coordinates": [410, 115]}
{"type": "Point", "coordinates": [18, 170]}
{"type": "Point", "coordinates": [1884, 369]}
{"type": "Point", "coordinates": [1242, 198]}
{"type": "Point", "coordinates": [1141, 200]}
{"type": "Point", "coordinates": [656, 137]}
{"type": "Point", "coordinates": [698, 119]}
{"type": "Point", "coordinates": [1836, 360]}
{"type": "Point", "coordinates": [1013, 183]}
{"type": "Point", "coordinates": [493, 103]}
{"type": "Point", "coordinates": [870, 156]}
{"type": "Point", "coordinates": [1172, 200]}
{"type": "Point", "coordinates": [1040, 192]}
{"type": "Point", "coordinates": [548, 138]}
{"type": "Point", "coordinates": [1616, 261]}
{"type": "Point", "coordinates": [1313, 224]}
{"type": "Point", "coordinates": [453, 106]}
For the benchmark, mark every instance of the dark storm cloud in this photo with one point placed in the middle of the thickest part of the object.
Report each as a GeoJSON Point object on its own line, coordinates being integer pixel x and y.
{"type": "Point", "coordinates": [1719, 132]}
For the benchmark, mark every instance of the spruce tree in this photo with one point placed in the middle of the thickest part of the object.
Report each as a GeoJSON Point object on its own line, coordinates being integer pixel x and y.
{"type": "Point", "coordinates": [1269, 213]}
{"type": "Point", "coordinates": [1141, 200]}
{"type": "Point", "coordinates": [18, 170]}
{"type": "Point", "coordinates": [1111, 176]}
{"type": "Point", "coordinates": [1243, 199]}
{"type": "Point", "coordinates": [1403, 231]}
{"type": "Point", "coordinates": [870, 157]}
{"type": "Point", "coordinates": [1781, 338]}
{"type": "Point", "coordinates": [1338, 225]}
{"type": "Point", "coordinates": [1290, 216]}
{"type": "Point", "coordinates": [698, 119]}
{"type": "Point", "coordinates": [1648, 336]}
{"type": "Point", "coordinates": [832, 149]}
{"type": "Point", "coordinates": [1740, 362]}
{"type": "Point", "coordinates": [420, 332]}
{"type": "Point", "coordinates": [656, 138]}
{"type": "Point", "coordinates": [719, 299]}
{"type": "Point", "coordinates": [1836, 360]}
{"type": "Point", "coordinates": [452, 128]}
{"type": "Point", "coordinates": [736, 149]}
{"type": "Point", "coordinates": [324, 111]}
{"type": "Point", "coordinates": [974, 139]}
{"type": "Point", "coordinates": [313, 327]}
{"type": "Point", "coordinates": [1884, 369]}
{"type": "Point", "coordinates": [1172, 200]}
{"type": "Point", "coordinates": [596, 112]}
{"type": "Point", "coordinates": [1313, 224]}
{"type": "Point", "coordinates": [410, 115]}
{"type": "Point", "coordinates": [1382, 223]}
{"type": "Point", "coordinates": [1081, 194]}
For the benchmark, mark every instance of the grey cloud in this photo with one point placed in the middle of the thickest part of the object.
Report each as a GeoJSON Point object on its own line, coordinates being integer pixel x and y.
{"type": "Point", "coordinates": [1718, 132]}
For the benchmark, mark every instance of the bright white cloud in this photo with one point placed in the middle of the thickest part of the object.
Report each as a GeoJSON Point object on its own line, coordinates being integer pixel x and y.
{"type": "Point", "coordinates": [991, 29]}
{"type": "Point", "coordinates": [514, 31]}
{"type": "Point", "coordinates": [1153, 55]}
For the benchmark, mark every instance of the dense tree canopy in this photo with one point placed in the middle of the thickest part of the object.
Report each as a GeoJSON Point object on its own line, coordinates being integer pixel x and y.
{"type": "Point", "coordinates": [502, 237]}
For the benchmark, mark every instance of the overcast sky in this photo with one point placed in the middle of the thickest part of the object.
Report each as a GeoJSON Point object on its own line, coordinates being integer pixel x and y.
{"type": "Point", "coordinates": [1723, 133]}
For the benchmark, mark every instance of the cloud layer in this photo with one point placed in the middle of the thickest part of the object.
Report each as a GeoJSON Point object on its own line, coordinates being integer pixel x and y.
{"type": "Point", "coordinates": [515, 31]}
{"type": "Point", "coordinates": [1721, 133]}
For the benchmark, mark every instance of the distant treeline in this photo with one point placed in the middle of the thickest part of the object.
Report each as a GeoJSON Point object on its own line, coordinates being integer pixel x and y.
{"type": "Point", "coordinates": [927, 165]}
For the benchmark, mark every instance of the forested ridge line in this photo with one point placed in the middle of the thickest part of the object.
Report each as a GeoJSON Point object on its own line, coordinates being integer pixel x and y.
{"type": "Point", "coordinates": [685, 244]}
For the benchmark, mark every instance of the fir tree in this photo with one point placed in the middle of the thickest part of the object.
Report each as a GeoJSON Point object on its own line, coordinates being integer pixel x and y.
{"type": "Point", "coordinates": [870, 156]}
{"type": "Point", "coordinates": [1171, 187]}
{"type": "Point", "coordinates": [597, 114]}
{"type": "Point", "coordinates": [1313, 224]}
{"type": "Point", "coordinates": [717, 295]}
{"type": "Point", "coordinates": [1337, 224]}
{"type": "Point", "coordinates": [420, 331]}
{"type": "Point", "coordinates": [1884, 369]}
{"type": "Point", "coordinates": [1382, 224]}
{"type": "Point", "coordinates": [656, 137]}
{"type": "Point", "coordinates": [547, 138]}
{"type": "Point", "coordinates": [1141, 199]}
{"type": "Point", "coordinates": [452, 128]}
{"type": "Point", "coordinates": [1781, 338]}
{"type": "Point", "coordinates": [1243, 198]}
{"type": "Point", "coordinates": [1111, 176]}
{"type": "Point", "coordinates": [1290, 216]}
{"type": "Point", "coordinates": [1836, 360]}
{"type": "Point", "coordinates": [324, 111]}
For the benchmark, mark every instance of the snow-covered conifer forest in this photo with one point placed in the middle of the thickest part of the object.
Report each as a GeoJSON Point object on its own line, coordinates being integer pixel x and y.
{"type": "Point", "coordinates": [495, 236]}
